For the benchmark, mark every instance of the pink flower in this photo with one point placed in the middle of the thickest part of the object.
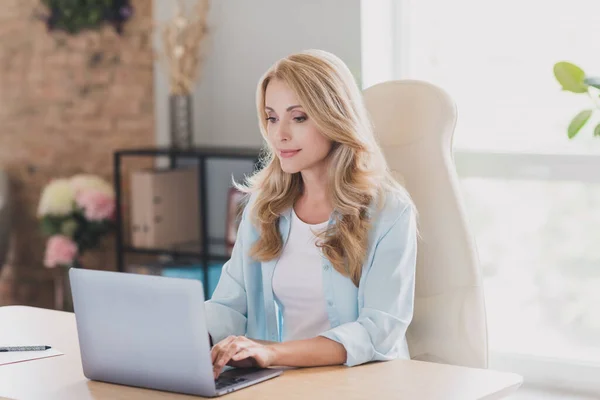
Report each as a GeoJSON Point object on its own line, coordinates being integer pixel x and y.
{"type": "Point", "coordinates": [97, 205]}
{"type": "Point", "coordinates": [60, 250]}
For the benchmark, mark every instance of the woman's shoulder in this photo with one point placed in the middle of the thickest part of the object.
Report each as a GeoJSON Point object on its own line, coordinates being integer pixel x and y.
{"type": "Point", "coordinates": [390, 206]}
{"type": "Point", "coordinates": [249, 213]}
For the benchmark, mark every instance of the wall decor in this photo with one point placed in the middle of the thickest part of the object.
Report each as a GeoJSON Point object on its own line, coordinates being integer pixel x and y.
{"type": "Point", "coordinates": [182, 39]}
{"type": "Point", "coordinates": [74, 16]}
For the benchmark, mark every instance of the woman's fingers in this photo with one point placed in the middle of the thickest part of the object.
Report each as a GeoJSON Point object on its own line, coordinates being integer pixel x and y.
{"type": "Point", "coordinates": [240, 355]}
{"type": "Point", "coordinates": [227, 352]}
{"type": "Point", "coordinates": [244, 363]}
{"type": "Point", "coordinates": [219, 347]}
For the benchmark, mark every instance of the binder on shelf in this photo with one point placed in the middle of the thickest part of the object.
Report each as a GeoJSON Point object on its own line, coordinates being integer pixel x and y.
{"type": "Point", "coordinates": [165, 208]}
{"type": "Point", "coordinates": [140, 192]}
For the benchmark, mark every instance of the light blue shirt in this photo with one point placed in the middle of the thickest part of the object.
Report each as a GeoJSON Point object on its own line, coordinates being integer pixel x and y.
{"type": "Point", "coordinates": [370, 320]}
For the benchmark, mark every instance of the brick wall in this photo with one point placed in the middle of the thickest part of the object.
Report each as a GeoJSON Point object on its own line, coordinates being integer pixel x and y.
{"type": "Point", "coordinates": [66, 102]}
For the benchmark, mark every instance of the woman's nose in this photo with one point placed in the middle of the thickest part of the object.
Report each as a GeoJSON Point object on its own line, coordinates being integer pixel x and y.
{"type": "Point", "coordinates": [282, 132]}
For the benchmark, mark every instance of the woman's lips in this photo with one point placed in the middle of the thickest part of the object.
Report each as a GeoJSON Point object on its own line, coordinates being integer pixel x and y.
{"type": "Point", "coordinates": [288, 153]}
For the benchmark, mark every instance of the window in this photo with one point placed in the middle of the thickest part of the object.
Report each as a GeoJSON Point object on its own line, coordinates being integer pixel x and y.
{"type": "Point", "coordinates": [539, 254]}
{"type": "Point", "coordinates": [496, 59]}
{"type": "Point", "coordinates": [532, 195]}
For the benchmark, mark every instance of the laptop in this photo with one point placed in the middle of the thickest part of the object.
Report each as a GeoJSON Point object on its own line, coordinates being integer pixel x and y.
{"type": "Point", "coordinates": [149, 331]}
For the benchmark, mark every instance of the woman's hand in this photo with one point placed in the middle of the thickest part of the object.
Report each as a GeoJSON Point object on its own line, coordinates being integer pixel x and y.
{"type": "Point", "coordinates": [241, 352]}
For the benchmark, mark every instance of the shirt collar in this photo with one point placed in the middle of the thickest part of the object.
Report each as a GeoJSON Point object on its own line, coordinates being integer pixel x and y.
{"type": "Point", "coordinates": [287, 214]}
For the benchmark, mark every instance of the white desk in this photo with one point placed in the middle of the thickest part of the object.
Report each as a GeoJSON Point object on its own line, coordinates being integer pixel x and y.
{"type": "Point", "coordinates": [62, 377]}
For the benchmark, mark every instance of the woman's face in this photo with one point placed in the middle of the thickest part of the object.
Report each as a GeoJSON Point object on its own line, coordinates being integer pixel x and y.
{"type": "Point", "coordinates": [298, 143]}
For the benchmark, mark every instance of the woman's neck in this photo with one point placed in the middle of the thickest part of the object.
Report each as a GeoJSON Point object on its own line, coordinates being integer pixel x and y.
{"type": "Point", "coordinates": [314, 205]}
{"type": "Point", "coordinates": [314, 187]}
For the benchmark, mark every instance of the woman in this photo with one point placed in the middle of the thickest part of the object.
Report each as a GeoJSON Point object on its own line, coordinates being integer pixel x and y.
{"type": "Point", "coordinates": [323, 269]}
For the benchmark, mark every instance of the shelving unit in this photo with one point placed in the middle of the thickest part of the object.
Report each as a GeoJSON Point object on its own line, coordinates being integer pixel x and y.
{"type": "Point", "coordinates": [203, 251]}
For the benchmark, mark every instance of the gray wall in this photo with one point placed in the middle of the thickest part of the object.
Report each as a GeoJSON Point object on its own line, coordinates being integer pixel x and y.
{"type": "Point", "coordinates": [246, 38]}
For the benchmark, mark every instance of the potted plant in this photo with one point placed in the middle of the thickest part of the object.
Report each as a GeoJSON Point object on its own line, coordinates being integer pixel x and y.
{"type": "Point", "coordinates": [573, 79]}
{"type": "Point", "coordinates": [75, 16]}
{"type": "Point", "coordinates": [181, 54]}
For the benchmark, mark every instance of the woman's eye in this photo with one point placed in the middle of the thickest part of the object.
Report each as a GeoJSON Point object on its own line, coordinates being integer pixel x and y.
{"type": "Point", "coordinates": [300, 119]}
{"type": "Point", "coordinates": [271, 119]}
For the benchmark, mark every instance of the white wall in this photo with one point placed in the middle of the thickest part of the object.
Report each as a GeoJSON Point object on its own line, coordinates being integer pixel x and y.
{"type": "Point", "coordinates": [247, 37]}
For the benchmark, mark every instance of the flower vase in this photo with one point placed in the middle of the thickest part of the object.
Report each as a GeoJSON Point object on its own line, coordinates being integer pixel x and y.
{"type": "Point", "coordinates": [181, 121]}
{"type": "Point", "coordinates": [63, 299]}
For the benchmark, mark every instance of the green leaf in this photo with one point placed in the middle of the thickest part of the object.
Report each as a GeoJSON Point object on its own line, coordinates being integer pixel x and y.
{"type": "Point", "coordinates": [51, 225]}
{"type": "Point", "coordinates": [94, 16]}
{"type": "Point", "coordinates": [47, 227]}
{"type": "Point", "coordinates": [597, 130]}
{"type": "Point", "coordinates": [570, 77]}
{"type": "Point", "coordinates": [578, 122]}
{"type": "Point", "coordinates": [69, 227]}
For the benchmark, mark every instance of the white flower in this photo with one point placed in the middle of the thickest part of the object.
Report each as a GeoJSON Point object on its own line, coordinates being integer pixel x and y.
{"type": "Point", "coordinates": [91, 182]}
{"type": "Point", "coordinates": [58, 199]}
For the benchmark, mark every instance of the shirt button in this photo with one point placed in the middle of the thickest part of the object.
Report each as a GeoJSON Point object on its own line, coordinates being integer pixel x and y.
{"type": "Point", "coordinates": [330, 302]}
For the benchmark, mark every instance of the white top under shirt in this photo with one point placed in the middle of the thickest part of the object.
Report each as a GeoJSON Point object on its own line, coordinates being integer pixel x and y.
{"type": "Point", "coordinates": [298, 283]}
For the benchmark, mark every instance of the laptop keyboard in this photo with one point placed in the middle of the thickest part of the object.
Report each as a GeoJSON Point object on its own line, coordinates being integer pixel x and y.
{"type": "Point", "coordinates": [223, 381]}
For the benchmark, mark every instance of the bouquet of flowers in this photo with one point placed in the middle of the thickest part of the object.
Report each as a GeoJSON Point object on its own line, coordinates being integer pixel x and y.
{"type": "Point", "coordinates": [75, 214]}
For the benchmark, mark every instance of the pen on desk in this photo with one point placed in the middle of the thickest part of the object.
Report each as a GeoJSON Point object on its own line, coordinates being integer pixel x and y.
{"type": "Point", "coordinates": [24, 348]}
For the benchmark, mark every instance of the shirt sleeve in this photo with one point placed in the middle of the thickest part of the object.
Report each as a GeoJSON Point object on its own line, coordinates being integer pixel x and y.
{"type": "Point", "coordinates": [226, 311]}
{"type": "Point", "coordinates": [389, 287]}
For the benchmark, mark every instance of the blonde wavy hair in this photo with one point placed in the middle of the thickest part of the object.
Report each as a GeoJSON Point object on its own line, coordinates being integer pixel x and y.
{"type": "Point", "coordinates": [358, 175]}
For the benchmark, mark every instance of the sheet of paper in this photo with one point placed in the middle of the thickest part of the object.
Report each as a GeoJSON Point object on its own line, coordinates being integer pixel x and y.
{"type": "Point", "coordinates": [20, 356]}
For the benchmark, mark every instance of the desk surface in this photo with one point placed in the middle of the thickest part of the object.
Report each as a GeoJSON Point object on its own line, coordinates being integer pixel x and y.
{"type": "Point", "coordinates": [62, 377]}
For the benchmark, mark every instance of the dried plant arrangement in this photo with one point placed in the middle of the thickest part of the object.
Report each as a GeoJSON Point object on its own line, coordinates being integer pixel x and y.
{"type": "Point", "coordinates": [182, 39]}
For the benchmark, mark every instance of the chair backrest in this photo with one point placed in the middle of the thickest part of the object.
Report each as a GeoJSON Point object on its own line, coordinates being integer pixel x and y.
{"type": "Point", "coordinates": [414, 123]}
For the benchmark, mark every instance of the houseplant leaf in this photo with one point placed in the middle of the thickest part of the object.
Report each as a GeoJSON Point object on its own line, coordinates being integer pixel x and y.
{"type": "Point", "coordinates": [570, 77]}
{"type": "Point", "coordinates": [578, 122]}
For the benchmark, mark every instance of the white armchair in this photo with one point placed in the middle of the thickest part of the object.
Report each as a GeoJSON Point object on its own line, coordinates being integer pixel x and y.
{"type": "Point", "coordinates": [414, 122]}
